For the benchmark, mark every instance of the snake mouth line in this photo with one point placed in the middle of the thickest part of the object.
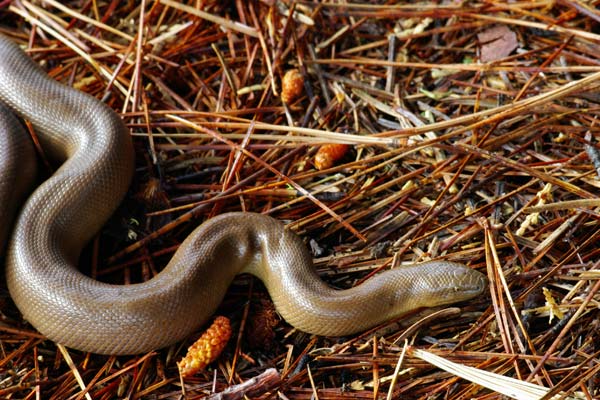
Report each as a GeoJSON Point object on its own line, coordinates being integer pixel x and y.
{"type": "Point", "coordinates": [478, 286]}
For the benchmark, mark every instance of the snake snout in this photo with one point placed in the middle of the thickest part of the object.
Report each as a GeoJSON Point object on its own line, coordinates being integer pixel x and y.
{"type": "Point", "coordinates": [460, 283]}
{"type": "Point", "coordinates": [469, 281]}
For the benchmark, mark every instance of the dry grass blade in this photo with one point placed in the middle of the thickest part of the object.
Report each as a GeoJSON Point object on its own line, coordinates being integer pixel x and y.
{"type": "Point", "coordinates": [236, 26]}
{"type": "Point", "coordinates": [513, 388]}
{"type": "Point", "coordinates": [71, 364]}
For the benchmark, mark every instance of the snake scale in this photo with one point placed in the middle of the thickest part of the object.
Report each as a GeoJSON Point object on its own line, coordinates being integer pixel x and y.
{"type": "Point", "coordinates": [94, 150]}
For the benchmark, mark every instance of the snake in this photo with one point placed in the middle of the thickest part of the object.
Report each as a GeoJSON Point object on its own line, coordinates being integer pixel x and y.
{"type": "Point", "coordinates": [47, 227]}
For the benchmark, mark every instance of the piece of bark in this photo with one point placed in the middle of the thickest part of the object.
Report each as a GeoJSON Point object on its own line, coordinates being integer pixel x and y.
{"type": "Point", "coordinates": [252, 387]}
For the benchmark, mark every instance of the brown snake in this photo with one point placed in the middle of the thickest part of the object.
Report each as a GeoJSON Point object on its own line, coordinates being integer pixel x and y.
{"type": "Point", "coordinates": [94, 149]}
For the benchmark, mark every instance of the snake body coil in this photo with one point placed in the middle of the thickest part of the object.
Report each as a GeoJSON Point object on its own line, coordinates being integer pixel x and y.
{"type": "Point", "coordinates": [68, 209]}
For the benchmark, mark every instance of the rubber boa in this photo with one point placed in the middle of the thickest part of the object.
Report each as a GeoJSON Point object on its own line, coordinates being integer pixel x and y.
{"type": "Point", "coordinates": [93, 148]}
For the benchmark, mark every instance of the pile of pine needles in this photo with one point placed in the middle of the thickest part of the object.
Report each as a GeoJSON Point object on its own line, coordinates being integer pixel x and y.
{"type": "Point", "coordinates": [463, 131]}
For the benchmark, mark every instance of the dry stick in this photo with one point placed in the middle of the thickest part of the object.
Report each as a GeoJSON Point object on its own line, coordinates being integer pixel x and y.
{"type": "Point", "coordinates": [495, 293]}
{"type": "Point", "coordinates": [36, 369]}
{"type": "Point", "coordinates": [238, 158]}
{"type": "Point", "coordinates": [54, 22]}
{"type": "Point", "coordinates": [331, 137]}
{"type": "Point", "coordinates": [101, 371]}
{"type": "Point", "coordinates": [462, 217]}
{"type": "Point", "coordinates": [35, 384]}
{"type": "Point", "coordinates": [487, 116]}
{"type": "Point", "coordinates": [194, 212]}
{"type": "Point", "coordinates": [375, 368]}
{"type": "Point", "coordinates": [123, 370]}
{"type": "Point", "coordinates": [581, 8]}
{"type": "Point", "coordinates": [546, 62]}
{"type": "Point", "coordinates": [453, 67]}
{"type": "Point", "coordinates": [472, 387]}
{"type": "Point", "coordinates": [151, 388]}
{"type": "Point", "coordinates": [74, 369]}
{"type": "Point", "coordinates": [573, 253]}
{"type": "Point", "coordinates": [490, 249]}
{"type": "Point", "coordinates": [397, 371]}
{"type": "Point", "coordinates": [563, 205]}
{"type": "Point", "coordinates": [312, 383]}
{"type": "Point", "coordinates": [138, 378]}
{"type": "Point", "coordinates": [20, 351]}
{"type": "Point", "coordinates": [265, 53]}
{"type": "Point", "coordinates": [234, 26]}
{"type": "Point", "coordinates": [565, 330]}
{"type": "Point", "coordinates": [434, 210]}
{"type": "Point", "coordinates": [397, 154]}
{"type": "Point", "coordinates": [387, 138]}
{"type": "Point", "coordinates": [544, 177]}
{"type": "Point", "coordinates": [254, 387]}
{"type": "Point", "coordinates": [443, 314]}
{"type": "Point", "coordinates": [517, 316]}
{"type": "Point", "coordinates": [563, 383]}
{"type": "Point", "coordinates": [88, 20]}
{"type": "Point", "coordinates": [238, 342]}
{"type": "Point", "coordinates": [137, 71]}
{"type": "Point", "coordinates": [553, 28]}
{"type": "Point", "coordinates": [291, 182]}
{"type": "Point", "coordinates": [102, 70]}
{"type": "Point", "coordinates": [21, 332]}
{"type": "Point", "coordinates": [291, 370]}
{"type": "Point", "coordinates": [497, 114]}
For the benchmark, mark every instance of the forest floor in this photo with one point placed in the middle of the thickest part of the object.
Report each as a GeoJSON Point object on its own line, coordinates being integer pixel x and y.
{"type": "Point", "coordinates": [448, 130]}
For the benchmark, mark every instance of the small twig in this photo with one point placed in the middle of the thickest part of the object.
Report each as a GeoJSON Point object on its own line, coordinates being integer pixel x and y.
{"type": "Point", "coordinates": [74, 370]}
{"type": "Point", "coordinates": [252, 388]}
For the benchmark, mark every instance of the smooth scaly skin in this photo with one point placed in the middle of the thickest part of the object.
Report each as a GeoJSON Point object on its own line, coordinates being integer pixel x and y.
{"type": "Point", "coordinates": [67, 210]}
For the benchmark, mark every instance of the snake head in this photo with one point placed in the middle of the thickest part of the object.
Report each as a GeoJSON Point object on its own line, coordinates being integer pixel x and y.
{"type": "Point", "coordinates": [450, 282]}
